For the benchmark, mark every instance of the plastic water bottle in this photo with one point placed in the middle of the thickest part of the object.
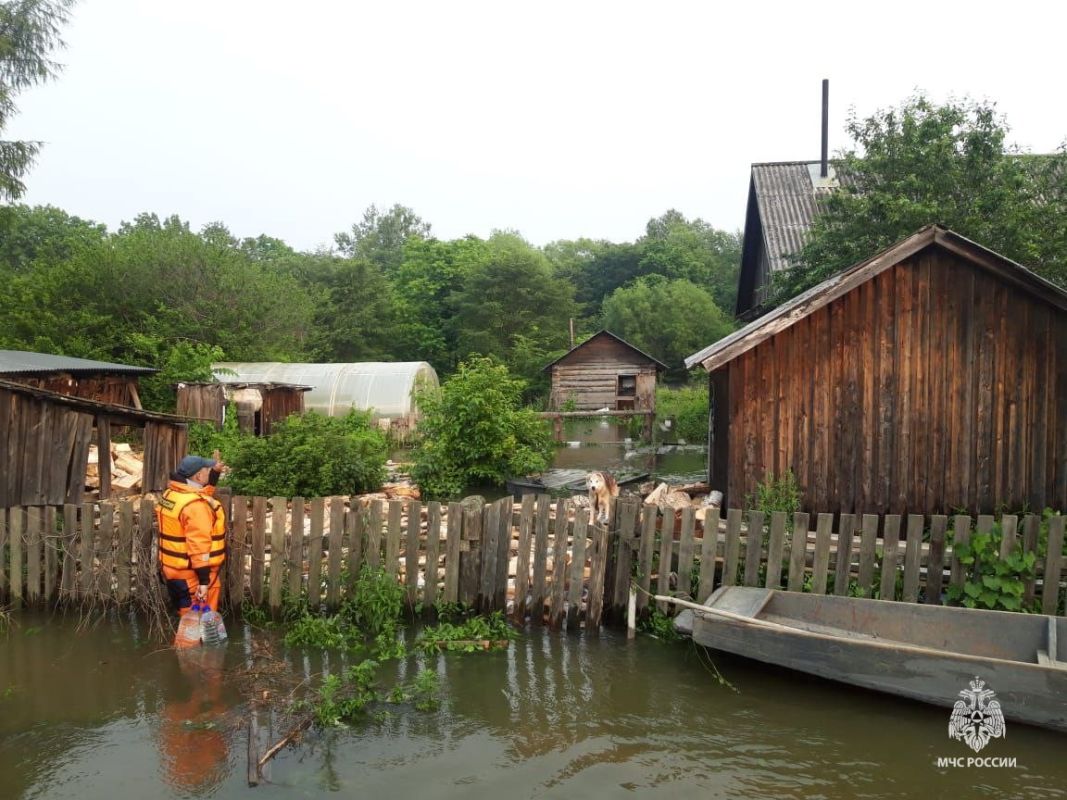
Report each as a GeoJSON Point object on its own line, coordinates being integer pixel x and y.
{"type": "Point", "coordinates": [213, 631]}
{"type": "Point", "coordinates": [189, 628]}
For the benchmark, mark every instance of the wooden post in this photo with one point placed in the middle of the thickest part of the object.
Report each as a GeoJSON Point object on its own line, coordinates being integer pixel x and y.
{"type": "Point", "coordinates": [453, 543]}
{"type": "Point", "coordinates": [598, 566]}
{"type": "Point", "coordinates": [124, 554]}
{"type": "Point", "coordinates": [935, 559]}
{"type": "Point", "coordinates": [868, 540]}
{"type": "Point", "coordinates": [259, 549]}
{"type": "Point", "coordinates": [522, 561]}
{"type": "Point", "coordinates": [374, 535]}
{"type": "Point", "coordinates": [337, 532]}
{"type": "Point", "coordinates": [235, 557]}
{"type": "Point", "coordinates": [490, 536]}
{"type": "Point", "coordinates": [355, 525]}
{"type": "Point", "coordinates": [578, 549]}
{"type": "Point", "coordinates": [86, 550]}
{"type": "Point", "coordinates": [503, 556]}
{"type": "Point", "coordinates": [631, 614]}
{"type": "Point", "coordinates": [433, 550]}
{"type": "Point", "coordinates": [392, 541]}
{"type": "Point", "coordinates": [103, 455]}
{"type": "Point", "coordinates": [50, 539]}
{"type": "Point", "coordinates": [649, 516]}
{"type": "Point", "coordinates": [69, 568]}
{"type": "Point", "coordinates": [296, 549]}
{"type": "Point", "coordinates": [1050, 588]}
{"type": "Point", "coordinates": [318, 523]}
{"type": "Point", "coordinates": [821, 562]}
{"type": "Point", "coordinates": [559, 564]}
{"type": "Point", "coordinates": [411, 552]}
{"type": "Point", "coordinates": [798, 552]}
{"type": "Point", "coordinates": [846, 535]}
{"type": "Point", "coordinates": [537, 594]}
{"type": "Point", "coordinates": [277, 553]}
{"type": "Point", "coordinates": [1031, 530]}
{"type": "Point", "coordinates": [16, 525]}
{"type": "Point", "coordinates": [470, 562]}
{"type": "Point", "coordinates": [890, 546]}
{"type": "Point", "coordinates": [686, 547]}
{"type": "Point", "coordinates": [708, 551]}
{"type": "Point", "coordinates": [912, 558]}
{"type": "Point", "coordinates": [733, 547]}
{"type": "Point", "coordinates": [625, 524]}
{"type": "Point", "coordinates": [753, 548]}
{"type": "Point", "coordinates": [666, 552]}
{"type": "Point", "coordinates": [775, 549]}
{"type": "Point", "coordinates": [33, 555]}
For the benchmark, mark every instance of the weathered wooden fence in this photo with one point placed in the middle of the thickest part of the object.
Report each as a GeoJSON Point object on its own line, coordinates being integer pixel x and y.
{"type": "Point", "coordinates": [539, 558]}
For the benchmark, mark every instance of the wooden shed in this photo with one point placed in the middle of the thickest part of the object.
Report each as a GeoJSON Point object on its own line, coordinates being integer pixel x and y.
{"type": "Point", "coordinates": [102, 381]}
{"type": "Point", "coordinates": [604, 371]}
{"type": "Point", "coordinates": [929, 378]}
{"type": "Point", "coordinates": [258, 406]}
{"type": "Point", "coordinates": [45, 439]}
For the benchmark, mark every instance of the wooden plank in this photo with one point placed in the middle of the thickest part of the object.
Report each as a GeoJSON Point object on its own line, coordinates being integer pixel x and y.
{"type": "Point", "coordinates": [645, 551]}
{"type": "Point", "coordinates": [913, 558]}
{"type": "Point", "coordinates": [296, 542]}
{"type": "Point", "coordinates": [124, 553]}
{"type": "Point", "coordinates": [490, 542]}
{"type": "Point", "coordinates": [336, 543]}
{"type": "Point", "coordinates": [433, 554]}
{"type": "Point", "coordinates": [753, 548]}
{"type": "Point", "coordinates": [470, 562]}
{"type": "Point", "coordinates": [314, 545]}
{"type": "Point", "coordinates": [559, 564]}
{"type": "Point", "coordinates": [846, 543]}
{"type": "Point", "coordinates": [935, 559]}
{"type": "Point", "coordinates": [103, 452]}
{"type": "Point", "coordinates": [51, 542]}
{"type": "Point", "coordinates": [686, 549]}
{"type": "Point", "coordinates": [16, 525]}
{"type": "Point", "coordinates": [578, 553]}
{"type": "Point", "coordinates": [962, 535]}
{"type": "Point", "coordinates": [775, 550]}
{"type": "Point", "coordinates": [105, 551]}
{"type": "Point", "coordinates": [1009, 528]}
{"type": "Point", "coordinates": [277, 554]}
{"type": "Point", "coordinates": [4, 582]}
{"type": "Point", "coordinates": [626, 535]}
{"type": "Point", "coordinates": [394, 534]}
{"type": "Point", "coordinates": [33, 555]}
{"type": "Point", "coordinates": [890, 557]}
{"type": "Point", "coordinates": [666, 555]}
{"type": "Point", "coordinates": [522, 560]}
{"type": "Point", "coordinates": [503, 556]}
{"type": "Point", "coordinates": [355, 526]}
{"type": "Point", "coordinates": [1050, 589]}
{"type": "Point", "coordinates": [708, 547]}
{"type": "Point", "coordinates": [411, 552]}
{"type": "Point", "coordinates": [236, 550]}
{"type": "Point", "coordinates": [868, 539]}
{"type": "Point", "coordinates": [798, 552]}
{"type": "Point", "coordinates": [732, 553]}
{"type": "Point", "coordinates": [374, 535]}
{"type": "Point", "coordinates": [259, 549]}
{"type": "Point", "coordinates": [68, 574]}
{"type": "Point", "coordinates": [1031, 533]}
{"type": "Point", "coordinates": [820, 571]}
{"type": "Point", "coordinates": [86, 549]}
{"type": "Point", "coordinates": [597, 569]}
{"type": "Point", "coordinates": [453, 542]}
{"type": "Point", "coordinates": [537, 588]}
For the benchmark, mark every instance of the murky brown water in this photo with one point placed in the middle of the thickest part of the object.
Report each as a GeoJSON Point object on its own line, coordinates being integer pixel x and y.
{"type": "Point", "coordinates": [102, 713]}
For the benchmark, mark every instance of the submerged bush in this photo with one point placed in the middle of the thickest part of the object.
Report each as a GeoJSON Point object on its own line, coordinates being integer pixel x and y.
{"type": "Point", "coordinates": [474, 431]}
{"type": "Point", "coordinates": [310, 455]}
{"type": "Point", "coordinates": [688, 407]}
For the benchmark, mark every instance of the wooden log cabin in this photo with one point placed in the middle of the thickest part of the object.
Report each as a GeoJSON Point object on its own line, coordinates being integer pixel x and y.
{"type": "Point", "coordinates": [604, 371]}
{"type": "Point", "coordinates": [929, 378]}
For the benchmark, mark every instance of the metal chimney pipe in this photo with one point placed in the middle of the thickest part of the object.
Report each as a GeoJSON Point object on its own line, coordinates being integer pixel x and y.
{"type": "Point", "coordinates": [824, 167]}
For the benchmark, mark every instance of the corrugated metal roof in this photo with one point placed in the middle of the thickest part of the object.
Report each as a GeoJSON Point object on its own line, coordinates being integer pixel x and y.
{"type": "Point", "coordinates": [21, 362]}
{"type": "Point", "coordinates": [786, 194]}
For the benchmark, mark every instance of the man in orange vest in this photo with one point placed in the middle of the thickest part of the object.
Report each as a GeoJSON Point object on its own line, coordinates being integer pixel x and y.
{"type": "Point", "coordinates": [192, 533]}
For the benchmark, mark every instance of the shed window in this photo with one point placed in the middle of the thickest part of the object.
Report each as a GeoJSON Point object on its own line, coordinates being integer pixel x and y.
{"type": "Point", "coordinates": [627, 386]}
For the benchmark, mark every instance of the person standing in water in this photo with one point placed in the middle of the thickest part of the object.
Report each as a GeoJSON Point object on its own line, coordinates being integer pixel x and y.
{"type": "Point", "coordinates": [192, 533]}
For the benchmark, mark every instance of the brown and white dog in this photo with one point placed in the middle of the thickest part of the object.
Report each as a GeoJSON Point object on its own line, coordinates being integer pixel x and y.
{"type": "Point", "coordinates": [602, 487]}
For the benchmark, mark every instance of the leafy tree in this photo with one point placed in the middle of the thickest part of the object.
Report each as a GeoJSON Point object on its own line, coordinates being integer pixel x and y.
{"type": "Point", "coordinates": [473, 430]}
{"type": "Point", "coordinates": [668, 319]}
{"type": "Point", "coordinates": [357, 317]}
{"type": "Point", "coordinates": [381, 235]}
{"type": "Point", "coordinates": [29, 32]}
{"type": "Point", "coordinates": [924, 163]}
{"type": "Point", "coordinates": [43, 232]}
{"type": "Point", "coordinates": [511, 294]}
{"type": "Point", "coordinates": [595, 269]}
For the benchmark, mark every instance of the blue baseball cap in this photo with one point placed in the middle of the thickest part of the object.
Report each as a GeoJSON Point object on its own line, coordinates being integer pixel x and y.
{"type": "Point", "coordinates": [190, 465]}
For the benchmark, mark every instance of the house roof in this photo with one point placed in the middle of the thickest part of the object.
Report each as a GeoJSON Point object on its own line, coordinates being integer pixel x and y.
{"type": "Point", "coordinates": [123, 415]}
{"type": "Point", "coordinates": [659, 364]}
{"type": "Point", "coordinates": [21, 362]}
{"type": "Point", "coordinates": [786, 193]}
{"type": "Point", "coordinates": [729, 347]}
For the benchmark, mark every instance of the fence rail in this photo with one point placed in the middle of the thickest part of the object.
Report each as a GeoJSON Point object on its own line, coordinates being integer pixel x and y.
{"type": "Point", "coordinates": [539, 558]}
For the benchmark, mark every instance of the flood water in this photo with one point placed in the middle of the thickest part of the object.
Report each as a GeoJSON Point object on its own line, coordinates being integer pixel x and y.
{"type": "Point", "coordinates": [104, 713]}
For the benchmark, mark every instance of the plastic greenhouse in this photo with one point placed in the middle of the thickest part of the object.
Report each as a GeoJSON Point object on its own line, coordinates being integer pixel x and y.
{"type": "Point", "coordinates": [385, 389]}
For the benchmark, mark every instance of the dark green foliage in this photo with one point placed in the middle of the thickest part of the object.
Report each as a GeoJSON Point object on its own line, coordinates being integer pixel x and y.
{"type": "Point", "coordinates": [776, 494]}
{"type": "Point", "coordinates": [991, 581]}
{"type": "Point", "coordinates": [667, 318]}
{"type": "Point", "coordinates": [376, 603]}
{"type": "Point", "coordinates": [474, 430]}
{"type": "Point", "coordinates": [311, 455]}
{"type": "Point", "coordinates": [661, 626]}
{"type": "Point", "coordinates": [467, 634]}
{"type": "Point", "coordinates": [924, 163]}
{"type": "Point", "coordinates": [688, 407]}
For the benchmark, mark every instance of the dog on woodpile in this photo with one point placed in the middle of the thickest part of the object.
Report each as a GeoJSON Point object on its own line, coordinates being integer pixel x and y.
{"type": "Point", "coordinates": [602, 487]}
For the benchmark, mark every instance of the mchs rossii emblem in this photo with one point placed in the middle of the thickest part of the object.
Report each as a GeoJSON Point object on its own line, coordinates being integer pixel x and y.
{"type": "Point", "coordinates": [977, 718]}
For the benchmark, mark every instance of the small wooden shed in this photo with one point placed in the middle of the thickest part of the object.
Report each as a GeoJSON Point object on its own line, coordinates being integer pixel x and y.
{"type": "Point", "coordinates": [102, 381]}
{"type": "Point", "coordinates": [929, 378]}
{"type": "Point", "coordinates": [45, 438]}
{"type": "Point", "coordinates": [604, 371]}
{"type": "Point", "coordinates": [258, 406]}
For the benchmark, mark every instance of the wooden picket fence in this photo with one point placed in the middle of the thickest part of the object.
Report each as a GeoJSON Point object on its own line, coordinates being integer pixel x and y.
{"type": "Point", "coordinates": [540, 558]}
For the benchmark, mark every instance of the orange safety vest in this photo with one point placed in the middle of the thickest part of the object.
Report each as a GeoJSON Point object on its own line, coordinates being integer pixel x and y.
{"type": "Point", "coordinates": [173, 547]}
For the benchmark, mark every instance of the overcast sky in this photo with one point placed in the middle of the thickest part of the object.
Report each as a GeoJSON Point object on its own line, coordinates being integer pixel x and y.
{"type": "Point", "coordinates": [558, 120]}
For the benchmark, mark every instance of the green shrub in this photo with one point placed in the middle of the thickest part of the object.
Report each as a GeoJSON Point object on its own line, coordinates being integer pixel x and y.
{"type": "Point", "coordinates": [310, 455]}
{"type": "Point", "coordinates": [989, 580]}
{"type": "Point", "coordinates": [474, 431]}
{"type": "Point", "coordinates": [375, 603]}
{"type": "Point", "coordinates": [688, 406]}
{"type": "Point", "coordinates": [776, 494]}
